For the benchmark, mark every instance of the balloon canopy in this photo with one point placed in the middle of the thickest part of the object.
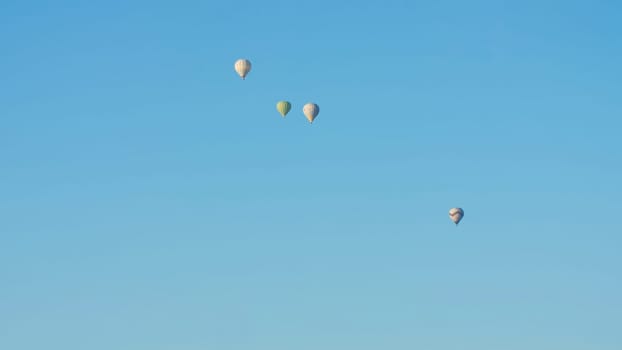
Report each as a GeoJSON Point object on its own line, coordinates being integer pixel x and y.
{"type": "Point", "coordinates": [283, 107]}
{"type": "Point", "coordinates": [242, 67]}
{"type": "Point", "coordinates": [456, 214]}
{"type": "Point", "coordinates": [311, 110]}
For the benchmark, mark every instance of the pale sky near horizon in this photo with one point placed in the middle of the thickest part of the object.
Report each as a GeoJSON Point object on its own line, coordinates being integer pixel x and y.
{"type": "Point", "coordinates": [151, 199]}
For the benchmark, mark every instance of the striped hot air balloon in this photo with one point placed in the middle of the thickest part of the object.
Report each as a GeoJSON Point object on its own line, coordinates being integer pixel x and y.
{"type": "Point", "coordinates": [456, 214]}
{"type": "Point", "coordinates": [283, 107]}
{"type": "Point", "coordinates": [242, 67]}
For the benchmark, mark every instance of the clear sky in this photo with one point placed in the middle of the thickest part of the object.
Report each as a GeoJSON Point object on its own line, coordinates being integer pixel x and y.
{"type": "Point", "coordinates": [152, 199]}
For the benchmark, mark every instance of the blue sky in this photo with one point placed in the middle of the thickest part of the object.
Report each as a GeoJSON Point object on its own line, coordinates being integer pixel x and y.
{"type": "Point", "coordinates": [151, 199]}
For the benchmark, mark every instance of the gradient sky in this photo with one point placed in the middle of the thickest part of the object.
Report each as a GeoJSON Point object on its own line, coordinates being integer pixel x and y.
{"type": "Point", "coordinates": [151, 199]}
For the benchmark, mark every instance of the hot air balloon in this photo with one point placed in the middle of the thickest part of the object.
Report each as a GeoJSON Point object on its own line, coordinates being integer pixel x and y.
{"type": "Point", "coordinates": [456, 214]}
{"type": "Point", "coordinates": [242, 67]}
{"type": "Point", "coordinates": [311, 110]}
{"type": "Point", "coordinates": [283, 107]}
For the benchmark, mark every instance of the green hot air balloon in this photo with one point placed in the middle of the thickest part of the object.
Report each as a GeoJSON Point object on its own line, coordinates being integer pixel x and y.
{"type": "Point", "coordinates": [283, 107]}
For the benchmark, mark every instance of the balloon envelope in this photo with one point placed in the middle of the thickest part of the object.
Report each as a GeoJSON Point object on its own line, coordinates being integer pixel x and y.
{"type": "Point", "coordinates": [311, 110]}
{"type": "Point", "coordinates": [242, 67]}
{"type": "Point", "coordinates": [456, 214]}
{"type": "Point", "coordinates": [283, 107]}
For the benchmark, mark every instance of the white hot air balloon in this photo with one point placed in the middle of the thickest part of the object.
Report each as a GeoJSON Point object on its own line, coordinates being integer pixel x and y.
{"type": "Point", "coordinates": [242, 67]}
{"type": "Point", "coordinates": [456, 214]}
{"type": "Point", "coordinates": [311, 110]}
